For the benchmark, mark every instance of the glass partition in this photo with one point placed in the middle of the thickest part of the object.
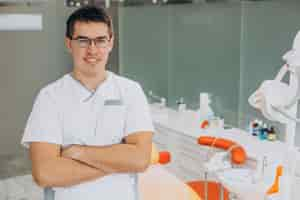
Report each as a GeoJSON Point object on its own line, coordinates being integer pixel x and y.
{"type": "Point", "coordinates": [181, 50]}
{"type": "Point", "coordinates": [144, 46]}
{"type": "Point", "coordinates": [204, 55]}
{"type": "Point", "coordinates": [225, 48]}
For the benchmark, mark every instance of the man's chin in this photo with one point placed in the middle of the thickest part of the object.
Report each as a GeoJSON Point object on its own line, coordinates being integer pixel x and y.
{"type": "Point", "coordinates": [93, 68]}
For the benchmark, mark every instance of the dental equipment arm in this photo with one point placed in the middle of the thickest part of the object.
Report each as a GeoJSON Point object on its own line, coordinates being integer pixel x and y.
{"type": "Point", "coordinates": [278, 101]}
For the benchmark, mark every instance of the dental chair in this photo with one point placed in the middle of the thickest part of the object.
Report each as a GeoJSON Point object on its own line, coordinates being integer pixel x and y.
{"type": "Point", "coordinates": [157, 157]}
{"type": "Point", "coordinates": [212, 190]}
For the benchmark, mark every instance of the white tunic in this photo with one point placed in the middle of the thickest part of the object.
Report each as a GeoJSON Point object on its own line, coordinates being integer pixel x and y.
{"type": "Point", "coordinates": [65, 113]}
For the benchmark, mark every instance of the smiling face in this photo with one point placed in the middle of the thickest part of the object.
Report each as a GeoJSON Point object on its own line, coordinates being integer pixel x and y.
{"type": "Point", "coordinates": [90, 56]}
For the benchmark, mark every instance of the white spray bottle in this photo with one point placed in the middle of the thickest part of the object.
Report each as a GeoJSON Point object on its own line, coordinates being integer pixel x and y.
{"type": "Point", "coordinates": [205, 112]}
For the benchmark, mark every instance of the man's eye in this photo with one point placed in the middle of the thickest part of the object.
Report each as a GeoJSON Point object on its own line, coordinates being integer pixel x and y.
{"type": "Point", "coordinates": [100, 41]}
{"type": "Point", "coordinates": [83, 41]}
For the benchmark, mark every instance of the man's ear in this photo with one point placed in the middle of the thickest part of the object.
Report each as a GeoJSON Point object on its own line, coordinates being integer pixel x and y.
{"type": "Point", "coordinates": [68, 44]}
{"type": "Point", "coordinates": [111, 43]}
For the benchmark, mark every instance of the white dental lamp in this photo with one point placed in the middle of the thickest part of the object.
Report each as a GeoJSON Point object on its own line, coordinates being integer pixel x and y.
{"type": "Point", "coordinates": [278, 101]}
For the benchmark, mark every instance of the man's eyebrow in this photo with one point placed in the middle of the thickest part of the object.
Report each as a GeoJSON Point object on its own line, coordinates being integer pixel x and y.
{"type": "Point", "coordinates": [85, 37]}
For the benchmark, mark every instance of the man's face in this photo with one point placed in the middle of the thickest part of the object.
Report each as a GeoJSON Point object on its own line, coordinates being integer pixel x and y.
{"type": "Point", "coordinates": [90, 56]}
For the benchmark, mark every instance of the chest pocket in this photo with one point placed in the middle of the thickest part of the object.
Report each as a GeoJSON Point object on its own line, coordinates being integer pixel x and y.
{"type": "Point", "coordinates": [79, 126]}
{"type": "Point", "coordinates": [111, 125]}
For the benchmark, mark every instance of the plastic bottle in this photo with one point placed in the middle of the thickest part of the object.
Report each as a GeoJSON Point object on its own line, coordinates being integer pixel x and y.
{"type": "Point", "coordinates": [250, 127]}
{"type": "Point", "coordinates": [272, 134]}
{"type": "Point", "coordinates": [255, 129]}
{"type": "Point", "coordinates": [266, 130]}
{"type": "Point", "coordinates": [181, 105]}
{"type": "Point", "coordinates": [205, 112]}
{"type": "Point", "coordinates": [263, 132]}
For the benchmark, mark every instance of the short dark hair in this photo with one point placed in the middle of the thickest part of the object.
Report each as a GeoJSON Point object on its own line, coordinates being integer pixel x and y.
{"type": "Point", "coordinates": [88, 14]}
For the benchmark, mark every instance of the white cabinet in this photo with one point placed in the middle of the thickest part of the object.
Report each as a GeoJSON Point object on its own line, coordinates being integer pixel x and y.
{"type": "Point", "coordinates": [296, 193]}
{"type": "Point", "coordinates": [187, 156]}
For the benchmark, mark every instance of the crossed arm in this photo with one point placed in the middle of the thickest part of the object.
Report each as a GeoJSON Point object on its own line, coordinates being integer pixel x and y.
{"type": "Point", "coordinates": [54, 167]}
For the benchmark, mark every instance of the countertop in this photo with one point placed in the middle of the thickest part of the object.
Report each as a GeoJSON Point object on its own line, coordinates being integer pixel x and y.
{"type": "Point", "coordinates": [186, 123]}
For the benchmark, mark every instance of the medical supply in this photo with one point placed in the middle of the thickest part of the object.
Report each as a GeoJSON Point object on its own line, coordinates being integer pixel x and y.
{"type": "Point", "coordinates": [221, 122]}
{"type": "Point", "coordinates": [263, 131]}
{"type": "Point", "coordinates": [205, 111]}
{"type": "Point", "coordinates": [161, 100]}
{"type": "Point", "coordinates": [255, 128]}
{"type": "Point", "coordinates": [181, 105]}
{"type": "Point", "coordinates": [216, 122]}
{"type": "Point", "coordinates": [250, 127]}
{"type": "Point", "coordinates": [266, 131]}
{"type": "Point", "coordinates": [272, 134]}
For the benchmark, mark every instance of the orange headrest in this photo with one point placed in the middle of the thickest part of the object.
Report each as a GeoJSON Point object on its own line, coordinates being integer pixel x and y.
{"type": "Point", "coordinates": [238, 154]}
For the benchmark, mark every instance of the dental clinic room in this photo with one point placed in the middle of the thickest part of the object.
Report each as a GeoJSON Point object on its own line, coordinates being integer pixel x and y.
{"type": "Point", "coordinates": [149, 99]}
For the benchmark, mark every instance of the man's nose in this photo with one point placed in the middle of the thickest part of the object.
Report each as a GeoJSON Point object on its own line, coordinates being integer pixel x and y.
{"type": "Point", "coordinates": [92, 46]}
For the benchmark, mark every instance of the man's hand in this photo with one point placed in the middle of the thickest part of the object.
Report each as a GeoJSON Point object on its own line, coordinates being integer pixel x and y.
{"type": "Point", "coordinates": [76, 152]}
{"type": "Point", "coordinates": [72, 152]}
{"type": "Point", "coordinates": [52, 169]}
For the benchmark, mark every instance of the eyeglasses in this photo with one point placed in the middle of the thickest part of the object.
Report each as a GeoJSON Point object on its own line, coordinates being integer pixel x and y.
{"type": "Point", "coordinates": [85, 42]}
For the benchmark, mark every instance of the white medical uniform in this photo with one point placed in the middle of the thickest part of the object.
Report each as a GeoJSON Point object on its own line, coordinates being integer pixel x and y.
{"type": "Point", "coordinates": [65, 112]}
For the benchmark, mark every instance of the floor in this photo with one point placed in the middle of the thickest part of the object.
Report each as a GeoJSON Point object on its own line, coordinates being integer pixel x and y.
{"type": "Point", "coordinates": [20, 188]}
{"type": "Point", "coordinates": [14, 164]}
{"type": "Point", "coordinates": [15, 180]}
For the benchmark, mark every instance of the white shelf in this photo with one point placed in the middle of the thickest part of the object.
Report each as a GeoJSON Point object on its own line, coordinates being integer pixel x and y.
{"type": "Point", "coordinates": [22, 1]}
{"type": "Point", "coordinates": [21, 22]}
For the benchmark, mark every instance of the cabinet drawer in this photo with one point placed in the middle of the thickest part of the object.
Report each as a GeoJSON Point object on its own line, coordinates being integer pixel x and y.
{"type": "Point", "coordinates": [296, 192]}
{"type": "Point", "coordinates": [190, 163]}
{"type": "Point", "coordinates": [190, 157]}
{"type": "Point", "coordinates": [165, 138]}
{"type": "Point", "coordinates": [159, 136]}
{"type": "Point", "coordinates": [193, 174]}
{"type": "Point", "coordinates": [298, 168]}
{"type": "Point", "coordinates": [187, 157]}
{"type": "Point", "coordinates": [159, 129]}
{"type": "Point", "coordinates": [194, 151]}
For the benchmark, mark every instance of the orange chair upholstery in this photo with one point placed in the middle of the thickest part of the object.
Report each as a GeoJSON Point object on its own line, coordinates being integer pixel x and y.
{"type": "Point", "coordinates": [213, 190]}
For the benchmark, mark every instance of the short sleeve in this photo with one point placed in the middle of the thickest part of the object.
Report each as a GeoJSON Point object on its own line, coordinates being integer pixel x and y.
{"type": "Point", "coordinates": [43, 124]}
{"type": "Point", "coordinates": [138, 117]}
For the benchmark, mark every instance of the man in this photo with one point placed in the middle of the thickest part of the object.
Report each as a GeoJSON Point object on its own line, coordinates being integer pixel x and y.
{"type": "Point", "coordinates": [90, 130]}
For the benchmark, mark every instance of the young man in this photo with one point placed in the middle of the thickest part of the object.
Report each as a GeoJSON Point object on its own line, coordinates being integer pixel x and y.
{"type": "Point", "coordinates": [91, 130]}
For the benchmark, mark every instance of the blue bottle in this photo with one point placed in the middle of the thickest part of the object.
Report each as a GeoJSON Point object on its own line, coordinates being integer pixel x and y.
{"type": "Point", "coordinates": [255, 129]}
{"type": "Point", "coordinates": [263, 132]}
